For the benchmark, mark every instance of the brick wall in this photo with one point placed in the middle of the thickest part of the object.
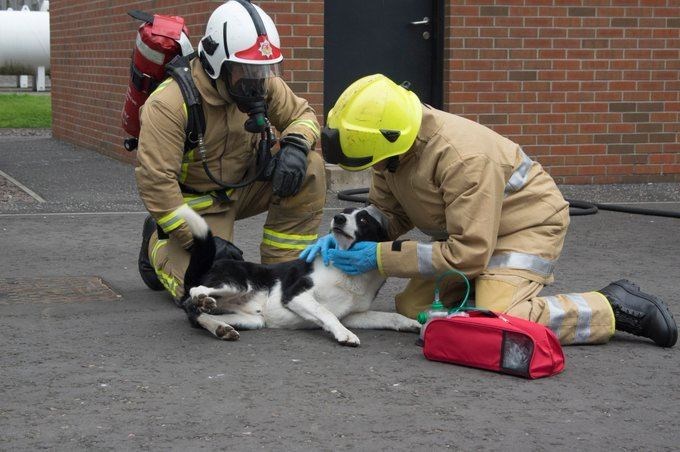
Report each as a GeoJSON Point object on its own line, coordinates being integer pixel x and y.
{"type": "Point", "coordinates": [590, 89]}
{"type": "Point", "coordinates": [91, 46]}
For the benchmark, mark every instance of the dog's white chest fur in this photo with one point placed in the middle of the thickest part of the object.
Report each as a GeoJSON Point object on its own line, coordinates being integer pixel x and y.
{"type": "Point", "coordinates": [332, 289]}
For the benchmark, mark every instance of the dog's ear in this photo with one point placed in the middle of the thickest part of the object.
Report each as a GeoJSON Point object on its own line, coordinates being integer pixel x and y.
{"type": "Point", "coordinates": [372, 230]}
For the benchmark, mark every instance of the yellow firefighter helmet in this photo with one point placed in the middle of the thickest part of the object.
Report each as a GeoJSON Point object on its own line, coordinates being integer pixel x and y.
{"type": "Point", "coordinates": [373, 119]}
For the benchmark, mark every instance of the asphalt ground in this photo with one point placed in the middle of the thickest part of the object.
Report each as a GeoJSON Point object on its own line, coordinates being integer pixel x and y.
{"type": "Point", "coordinates": [117, 366]}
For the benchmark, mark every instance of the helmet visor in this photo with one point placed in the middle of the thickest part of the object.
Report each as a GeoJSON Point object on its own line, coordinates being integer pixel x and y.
{"type": "Point", "coordinates": [248, 80]}
{"type": "Point", "coordinates": [238, 71]}
{"type": "Point", "coordinates": [332, 151]}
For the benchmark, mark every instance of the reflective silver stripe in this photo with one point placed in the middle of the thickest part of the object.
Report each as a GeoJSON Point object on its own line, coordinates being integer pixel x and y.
{"type": "Point", "coordinates": [523, 261]}
{"type": "Point", "coordinates": [171, 223]}
{"type": "Point", "coordinates": [199, 202]}
{"type": "Point", "coordinates": [519, 177]}
{"type": "Point", "coordinates": [585, 315]}
{"type": "Point", "coordinates": [425, 266]}
{"type": "Point", "coordinates": [556, 314]}
{"type": "Point", "coordinates": [149, 53]}
{"type": "Point", "coordinates": [377, 215]}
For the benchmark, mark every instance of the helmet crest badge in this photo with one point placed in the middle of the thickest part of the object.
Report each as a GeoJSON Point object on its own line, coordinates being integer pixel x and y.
{"type": "Point", "coordinates": [266, 49]}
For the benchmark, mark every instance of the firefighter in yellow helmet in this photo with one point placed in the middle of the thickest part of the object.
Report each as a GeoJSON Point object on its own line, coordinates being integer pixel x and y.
{"type": "Point", "coordinates": [236, 75]}
{"type": "Point", "coordinates": [491, 211]}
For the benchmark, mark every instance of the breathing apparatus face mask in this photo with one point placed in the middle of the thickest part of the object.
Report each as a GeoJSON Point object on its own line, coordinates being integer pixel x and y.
{"type": "Point", "coordinates": [246, 84]}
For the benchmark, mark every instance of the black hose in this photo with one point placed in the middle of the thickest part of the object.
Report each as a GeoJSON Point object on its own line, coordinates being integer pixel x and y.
{"type": "Point", "coordinates": [638, 210]}
{"type": "Point", "coordinates": [579, 208]}
{"type": "Point", "coordinates": [576, 207]}
{"type": "Point", "coordinates": [265, 140]}
{"type": "Point", "coordinates": [351, 195]}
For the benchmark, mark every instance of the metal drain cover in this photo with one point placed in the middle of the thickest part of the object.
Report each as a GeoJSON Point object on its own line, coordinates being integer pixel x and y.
{"type": "Point", "coordinates": [57, 289]}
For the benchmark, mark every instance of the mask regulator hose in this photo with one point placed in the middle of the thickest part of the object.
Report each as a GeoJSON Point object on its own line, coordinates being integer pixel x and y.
{"type": "Point", "coordinates": [178, 69]}
{"type": "Point", "coordinates": [264, 157]}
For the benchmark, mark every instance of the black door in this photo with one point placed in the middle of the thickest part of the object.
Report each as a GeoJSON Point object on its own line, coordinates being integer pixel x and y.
{"type": "Point", "coordinates": [399, 38]}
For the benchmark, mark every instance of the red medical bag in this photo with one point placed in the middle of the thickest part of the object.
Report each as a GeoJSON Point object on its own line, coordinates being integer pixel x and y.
{"type": "Point", "coordinates": [497, 342]}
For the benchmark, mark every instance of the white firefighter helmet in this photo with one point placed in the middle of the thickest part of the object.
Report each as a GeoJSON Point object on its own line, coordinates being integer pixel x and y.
{"type": "Point", "coordinates": [242, 36]}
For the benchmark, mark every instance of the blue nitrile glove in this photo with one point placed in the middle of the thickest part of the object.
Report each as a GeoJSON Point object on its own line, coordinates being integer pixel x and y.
{"type": "Point", "coordinates": [322, 245]}
{"type": "Point", "coordinates": [362, 257]}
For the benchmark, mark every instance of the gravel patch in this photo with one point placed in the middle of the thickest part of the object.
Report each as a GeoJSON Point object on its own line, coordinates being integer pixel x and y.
{"type": "Point", "coordinates": [42, 133]}
{"type": "Point", "coordinates": [11, 195]}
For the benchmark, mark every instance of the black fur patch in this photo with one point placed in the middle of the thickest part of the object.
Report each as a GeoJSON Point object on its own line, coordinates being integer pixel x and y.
{"type": "Point", "coordinates": [368, 228]}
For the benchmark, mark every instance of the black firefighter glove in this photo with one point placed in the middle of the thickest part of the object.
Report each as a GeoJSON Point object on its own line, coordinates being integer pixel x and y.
{"type": "Point", "coordinates": [291, 165]}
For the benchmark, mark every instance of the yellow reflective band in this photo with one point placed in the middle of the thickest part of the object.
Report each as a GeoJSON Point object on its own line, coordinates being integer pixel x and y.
{"type": "Point", "coordinates": [171, 221]}
{"type": "Point", "coordinates": [606, 303]}
{"type": "Point", "coordinates": [159, 244]}
{"type": "Point", "coordinates": [288, 241]}
{"type": "Point", "coordinates": [170, 283]}
{"type": "Point", "coordinates": [282, 245]}
{"type": "Point", "coordinates": [162, 86]}
{"type": "Point", "coordinates": [198, 202]}
{"type": "Point", "coordinates": [186, 112]}
{"type": "Point", "coordinates": [309, 123]}
{"type": "Point", "coordinates": [379, 259]}
{"type": "Point", "coordinates": [300, 237]}
{"type": "Point", "coordinates": [188, 158]}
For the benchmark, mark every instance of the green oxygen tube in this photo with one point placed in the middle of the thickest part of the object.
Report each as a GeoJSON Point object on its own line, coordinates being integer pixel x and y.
{"type": "Point", "coordinates": [438, 310]}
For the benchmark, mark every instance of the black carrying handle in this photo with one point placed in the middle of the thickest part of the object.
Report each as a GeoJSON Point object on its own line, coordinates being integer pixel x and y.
{"type": "Point", "coordinates": [141, 15]}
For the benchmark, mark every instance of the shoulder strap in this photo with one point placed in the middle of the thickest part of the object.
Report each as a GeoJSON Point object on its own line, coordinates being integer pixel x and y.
{"type": "Point", "coordinates": [178, 68]}
{"type": "Point", "coordinates": [141, 15]}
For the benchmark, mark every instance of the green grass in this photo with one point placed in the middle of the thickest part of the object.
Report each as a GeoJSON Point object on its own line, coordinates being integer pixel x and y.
{"type": "Point", "coordinates": [25, 111]}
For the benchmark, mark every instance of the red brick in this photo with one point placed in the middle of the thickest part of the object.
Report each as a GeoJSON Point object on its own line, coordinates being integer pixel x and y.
{"type": "Point", "coordinates": [671, 169]}
{"type": "Point", "coordinates": [537, 71]}
{"type": "Point", "coordinates": [592, 170]}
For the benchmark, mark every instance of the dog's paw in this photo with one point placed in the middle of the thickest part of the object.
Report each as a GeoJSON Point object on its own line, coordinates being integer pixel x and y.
{"type": "Point", "coordinates": [226, 333]}
{"type": "Point", "coordinates": [348, 339]}
{"type": "Point", "coordinates": [409, 325]}
{"type": "Point", "coordinates": [204, 303]}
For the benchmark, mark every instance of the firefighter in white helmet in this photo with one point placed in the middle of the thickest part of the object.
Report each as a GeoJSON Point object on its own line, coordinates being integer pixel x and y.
{"type": "Point", "coordinates": [492, 212]}
{"type": "Point", "coordinates": [237, 76]}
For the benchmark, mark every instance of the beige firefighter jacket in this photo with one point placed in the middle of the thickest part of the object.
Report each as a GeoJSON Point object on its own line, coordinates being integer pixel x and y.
{"type": "Point", "coordinates": [163, 165]}
{"type": "Point", "coordinates": [486, 205]}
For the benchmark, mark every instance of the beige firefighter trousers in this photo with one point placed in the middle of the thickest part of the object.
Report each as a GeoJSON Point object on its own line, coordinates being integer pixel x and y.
{"type": "Point", "coordinates": [576, 318]}
{"type": "Point", "coordinates": [292, 224]}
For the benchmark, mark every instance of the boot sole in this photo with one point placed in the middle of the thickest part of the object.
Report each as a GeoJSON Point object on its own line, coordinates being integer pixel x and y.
{"type": "Point", "coordinates": [661, 306]}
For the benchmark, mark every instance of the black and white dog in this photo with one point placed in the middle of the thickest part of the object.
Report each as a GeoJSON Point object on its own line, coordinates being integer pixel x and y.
{"type": "Point", "coordinates": [227, 293]}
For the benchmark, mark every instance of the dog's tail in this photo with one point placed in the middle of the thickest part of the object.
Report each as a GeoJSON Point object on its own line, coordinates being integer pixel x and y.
{"type": "Point", "coordinates": [203, 250]}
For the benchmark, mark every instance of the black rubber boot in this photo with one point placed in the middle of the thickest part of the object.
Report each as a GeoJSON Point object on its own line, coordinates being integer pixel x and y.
{"type": "Point", "coordinates": [641, 314]}
{"type": "Point", "coordinates": [146, 270]}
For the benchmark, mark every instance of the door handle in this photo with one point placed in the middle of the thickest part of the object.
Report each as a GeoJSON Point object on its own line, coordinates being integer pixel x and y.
{"type": "Point", "coordinates": [425, 21]}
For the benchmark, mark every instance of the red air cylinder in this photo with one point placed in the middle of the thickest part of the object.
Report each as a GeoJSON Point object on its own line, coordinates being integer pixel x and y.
{"type": "Point", "coordinates": [157, 43]}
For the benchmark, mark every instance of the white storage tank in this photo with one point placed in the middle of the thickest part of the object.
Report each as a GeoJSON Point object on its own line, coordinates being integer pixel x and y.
{"type": "Point", "coordinates": [25, 38]}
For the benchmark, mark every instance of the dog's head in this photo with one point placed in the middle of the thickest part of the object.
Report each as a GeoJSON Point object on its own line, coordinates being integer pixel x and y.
{"type": "Point", "coordinates": [357, 225]}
